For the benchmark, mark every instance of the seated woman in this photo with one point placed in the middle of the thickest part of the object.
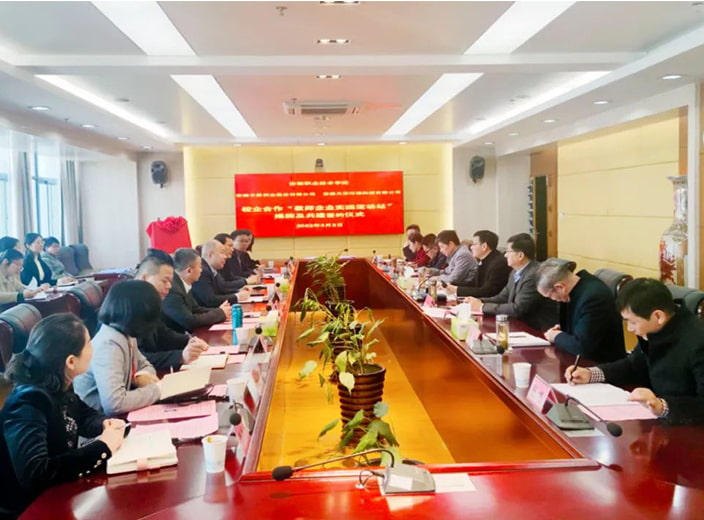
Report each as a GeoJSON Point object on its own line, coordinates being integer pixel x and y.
{"type": "Point", "coordinates": [50, 256]}
{"type": "Point", "coordinates": [10, 243]}
{"type": "Point", "coordinates": [415, 244]}
{"type": "Point", "coordinates": [11, 289]}
{"type": "Point", "coordinates": [34, 267]}
{"type": "Point", "coordinates": [120, 379]}
{"type": "Point", "coordinates": [42, 418]}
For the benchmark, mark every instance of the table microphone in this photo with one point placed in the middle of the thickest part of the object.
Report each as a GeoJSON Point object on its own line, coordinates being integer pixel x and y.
{"type": "Point", "coordinates": [614, 429]}
{"type": "Point", "coordinates": [284, 472]}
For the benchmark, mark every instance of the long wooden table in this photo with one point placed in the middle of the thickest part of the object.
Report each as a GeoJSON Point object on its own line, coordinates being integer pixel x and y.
{"type": "Point", "coordinates": [446, 409]}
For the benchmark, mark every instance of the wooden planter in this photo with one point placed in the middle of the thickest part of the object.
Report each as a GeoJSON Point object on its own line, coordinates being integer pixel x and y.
{"type": "Point", "coordinates": [368, 390]}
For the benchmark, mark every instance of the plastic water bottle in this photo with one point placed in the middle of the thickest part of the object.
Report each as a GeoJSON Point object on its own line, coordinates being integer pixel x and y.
{"type": "Point", "coordinates": [236, 316]}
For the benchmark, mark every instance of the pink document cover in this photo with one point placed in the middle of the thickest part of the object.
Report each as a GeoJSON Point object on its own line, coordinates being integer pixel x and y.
{"type": "Point", "coordinates": [187, 429]}
{"type": "Point", "coordinates": [622, 412]}
{"type": "Point", "coordinates": [161, 412]}
{"type": "Point", "coordinates": [239, 358]}
{"type": "Point", "coordinates": [229, 349]}
{"type": "Point", "coordinates": [219, 391]}
{"type": "Point", "coordinates": [247, 323]}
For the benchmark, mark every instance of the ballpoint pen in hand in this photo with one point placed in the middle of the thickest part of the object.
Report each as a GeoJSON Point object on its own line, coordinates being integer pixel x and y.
{"type": "Point", "coordinates": [574, 367]}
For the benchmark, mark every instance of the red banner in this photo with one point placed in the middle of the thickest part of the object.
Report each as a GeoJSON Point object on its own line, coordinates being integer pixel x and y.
{"type": "Point", "coordinates": [319, 204]}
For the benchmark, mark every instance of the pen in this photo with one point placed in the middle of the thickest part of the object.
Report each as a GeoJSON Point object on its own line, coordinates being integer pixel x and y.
{"type": "Point", "coordinates": [576, 364]}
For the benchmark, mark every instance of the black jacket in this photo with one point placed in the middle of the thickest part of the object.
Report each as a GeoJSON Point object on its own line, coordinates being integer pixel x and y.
{"type": "Point", "coordinates": [438, 262]}
{"type": "Point", "coordinates": [671, 363]}
{"type": "Point", "coordinates": [211, 290]}
{"type": "Point", "coordinates": [591, 325]}
{"type": "Point", "coordinates": [181, 312]}
{"type": "Point", "coordinates": [492, 276]}
{"type": "Point", "coordinates": [163, 349]}
{"type": "Point", "coordinates": [523, 301]}
{"type": "Point", "coordinates": [29, 271]}
{"type": "Point", "coordinates": [239, 265]}
{"type": "Point", "coordinates": [37, 452]}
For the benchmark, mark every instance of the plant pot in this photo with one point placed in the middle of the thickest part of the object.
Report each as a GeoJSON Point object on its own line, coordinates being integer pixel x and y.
{"type": "Point", "coordinates": [368, 390]}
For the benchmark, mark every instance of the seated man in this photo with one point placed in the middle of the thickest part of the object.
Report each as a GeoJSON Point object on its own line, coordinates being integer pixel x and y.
{"type": "Point", "coordinates": [165, 348]}
{"type": "Point", "coordinates": [492, 273]}
{"type": "Point", "coordinates": [180, 310]}
{"type": "Point", "coordinates": [210, 289]}
{"type": "Point", "coordinates": [520, 298]}
{"type": "Point", "coordinates": [225, 273]}
{"type": "Point", "coordinates": [436, 260]}
{"type": "Point", "coordinates": [408, 253]}
{"type": "Point", "coordinates": [50, 255]}
{"type": "Point", "coordinates": [240, 264]}
{"type": "Point", "coordinates": [667, 365]}
{"type": "Point", "coordinates": [462, 267]}
{"type": "Point", "coordinates": [589, 322]}
{"type": "Point", "coordinates": [416, 244]}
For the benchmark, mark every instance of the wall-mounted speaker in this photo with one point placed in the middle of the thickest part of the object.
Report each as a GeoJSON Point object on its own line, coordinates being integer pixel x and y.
{"type": "Point", "coordinates": [159, 173]}
{"type": "Point", "coordinates": [476, 168]}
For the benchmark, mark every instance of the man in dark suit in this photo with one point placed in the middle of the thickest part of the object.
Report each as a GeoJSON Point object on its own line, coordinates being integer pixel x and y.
{"type": "Point", "coordinates": [180, 310]}
{"type": "Point", "coordinates": [519, 298]}
{"type": "Point", "coordinates": [165, 348]}
{"type": "Point", "coordinates": [589, 323]}
{"type": "Point", "coordinates": [210, 289]}
{"type": "Point", "coordinates": [492, 273]}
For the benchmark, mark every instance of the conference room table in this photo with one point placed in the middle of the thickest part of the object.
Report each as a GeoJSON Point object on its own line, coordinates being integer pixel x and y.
{"type": "Point", "coordinates": [447, 410]}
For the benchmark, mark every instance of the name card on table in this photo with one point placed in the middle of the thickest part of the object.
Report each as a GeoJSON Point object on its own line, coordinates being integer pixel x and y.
{"type": "Point", "coordinates": [243, 438]}
{"type": "Point", "coordinates": [539, 392]}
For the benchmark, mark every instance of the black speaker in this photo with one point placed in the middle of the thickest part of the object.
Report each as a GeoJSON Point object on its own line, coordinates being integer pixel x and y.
{"type": "Point", "coordinates": [159, 173]}
{"type": "Point", "coordinates": [476, 168]}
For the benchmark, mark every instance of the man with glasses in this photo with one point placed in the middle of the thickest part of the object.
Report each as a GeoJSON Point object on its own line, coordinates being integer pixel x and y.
{"type": "Point", "coordinates": [462, 267]}
{"type": "Point", "coordinates": [492, 271]}
{"type": "Point", "coordinates": [589, 323]}
{"type": "Point", "coordinates": [520, 298]}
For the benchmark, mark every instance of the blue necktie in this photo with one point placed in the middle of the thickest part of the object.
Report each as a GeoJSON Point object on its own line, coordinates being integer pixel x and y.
{"type": "Point", "coordinates": [516, 276]}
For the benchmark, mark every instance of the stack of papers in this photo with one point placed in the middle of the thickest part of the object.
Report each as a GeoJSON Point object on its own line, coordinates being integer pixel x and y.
{"type": "Point", "coordinates": [190, 429]}
{"type": "Point", "coordinates": [607, 401]}
{"type": "Point", "coordinates": [522, 339]}
{"type": "Point", "coordinates": [165, 412]}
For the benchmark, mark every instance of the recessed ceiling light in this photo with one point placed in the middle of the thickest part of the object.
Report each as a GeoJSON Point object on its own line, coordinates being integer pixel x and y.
{"type": "Point", "coordinates": [601, 102]}
{"type": "Point", "coordinates": [513, 134]}
{"type": "Point", "coordinates": [329, 76]}
{"type": "Point", "coordinates": [549, 120]}
{"type": "Point", "coordinates": [123, 138]}
{"type": "Point", "coordinates": [489, 143]}
{"type": "Point", "coordinates": [146, 148]}
{"type": "Point", "coordinates": [333, 41]}
{"type": "Point", "coordinates": [87, 125]}
{"type": "Point", "coordinates": [40, 108]}
{"type": "Point", "coordinates": [321, 144]}
{"type": "Point", "coordinates": [672, 76]}
{"type": "Point", "coordinates": [403, 142]}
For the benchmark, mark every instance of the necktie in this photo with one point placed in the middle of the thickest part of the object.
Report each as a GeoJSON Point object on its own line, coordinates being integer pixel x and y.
{"type": "Point", "coordinates": [516, 276]}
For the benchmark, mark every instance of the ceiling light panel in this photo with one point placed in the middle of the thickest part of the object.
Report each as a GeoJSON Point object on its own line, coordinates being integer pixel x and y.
{"type": "Point", "coordinates": [105, 104]}
{"type": "Point", "coordinates": [517, 25]}
{"type": "Point", "coordinates": [441, 92]}
{"type": "Point", "coordinates": [210, 95]}
{"type": "Point", "coordinates": [147, 25]}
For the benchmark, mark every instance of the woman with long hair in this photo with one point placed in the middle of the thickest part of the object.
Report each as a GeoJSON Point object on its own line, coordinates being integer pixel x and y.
{"type": "Point", "coordinates": [42, 418]}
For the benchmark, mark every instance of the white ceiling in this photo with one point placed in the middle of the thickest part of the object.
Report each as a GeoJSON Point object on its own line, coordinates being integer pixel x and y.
{"type": "Point", "coordinates": [262, 58]}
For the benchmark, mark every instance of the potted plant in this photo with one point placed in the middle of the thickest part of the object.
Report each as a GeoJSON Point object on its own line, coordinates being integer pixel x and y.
{"type": "Point", "coordinates": [327, 272]}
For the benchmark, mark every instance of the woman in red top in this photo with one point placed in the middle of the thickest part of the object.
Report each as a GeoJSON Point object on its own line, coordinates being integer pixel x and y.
{"type": "Point", "coordinates": [415, 241]}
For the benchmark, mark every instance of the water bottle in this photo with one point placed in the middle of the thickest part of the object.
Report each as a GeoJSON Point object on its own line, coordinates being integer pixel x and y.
{"type": "Point", "coordinates": [236, 316]}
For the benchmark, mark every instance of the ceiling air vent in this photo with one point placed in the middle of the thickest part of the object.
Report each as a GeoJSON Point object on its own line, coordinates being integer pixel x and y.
{"type": "Point", "coordinates": [295, 107]}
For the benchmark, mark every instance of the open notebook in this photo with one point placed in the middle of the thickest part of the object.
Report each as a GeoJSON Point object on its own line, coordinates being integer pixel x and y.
{"type": "Point", "coordinates": [214, 361]}
{"type": "Point", "coordinates": [185, 382]}
{"type": "Point", "coordinates": [143, 451]}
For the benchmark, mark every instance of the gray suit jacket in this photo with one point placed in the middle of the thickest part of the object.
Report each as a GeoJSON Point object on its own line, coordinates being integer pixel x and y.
{"type": "Point", "coordinates": [523, 301]}
{"type": "Point", "coordinates": [462, 268]}
{"type": "Point", "coordinates": [107, 385]}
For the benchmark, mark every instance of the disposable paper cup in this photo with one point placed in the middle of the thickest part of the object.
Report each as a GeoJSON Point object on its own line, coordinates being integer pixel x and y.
{"type": "Point", "coordinates": [462, 329]}
{"type": "Point", "coordinates": [270, 289]}
{"type": "Point", "coordinates": [521, 374]}
{"type": "Point", "coordinates": [214, 447]}
{"type": "Point", "coordinates": [270, 263]}
{"type": "Point", "coordinates": [235, 389]}
{"type": "Point", "coordinates": [243, 335]}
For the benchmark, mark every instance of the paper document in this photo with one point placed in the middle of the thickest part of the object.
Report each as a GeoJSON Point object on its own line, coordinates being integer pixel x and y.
{"type": "Point", "coordinates": [436, 312]}
{"type": "Point", "coordinates": [165, 412]}
{"type": "Point", "coordinates": [609, 402]}
{"type": "Point", "coordinates": [255, 299]}
{"type": "Point", "coordinates": [142, 452]}
{"type": "Point", "coordinates": [229, 349]}
{"type": "Point", "coordinates": [522, 339]}
{"type": "Point", "coordinates": [39, 296]}
{"type": "Point", "coordinates": [233, 360]}
{"type": "Point", "coordinates": [219, 391]}
{"type": "Point", "coordinates": [182, 382]}
{"type": "Point", "coordinates": [216, 361]}
{"type": "Point", "coordinates": [183, 430]}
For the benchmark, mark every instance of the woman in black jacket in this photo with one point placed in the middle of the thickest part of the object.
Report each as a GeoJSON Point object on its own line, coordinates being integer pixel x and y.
{"type": "Point", "coordinates": [34, 267]}
{"type": "Point", "coordinates": [42, 418]}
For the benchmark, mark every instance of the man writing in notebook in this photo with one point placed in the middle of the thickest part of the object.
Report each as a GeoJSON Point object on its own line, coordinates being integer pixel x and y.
{"type": "Point", "coordinates": [667, 365]}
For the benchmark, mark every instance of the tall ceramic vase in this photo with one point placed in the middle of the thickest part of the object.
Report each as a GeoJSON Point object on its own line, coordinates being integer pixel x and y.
{"type": "Point", "coordinates": [673, 243]}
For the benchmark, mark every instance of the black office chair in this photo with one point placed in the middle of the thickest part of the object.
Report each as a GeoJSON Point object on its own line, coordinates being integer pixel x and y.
{"type": "Point", "coordinates": [692, 299]}
{"type": "Point", "coordinates": [82, 258]}
{"type": "Point", "coordinates": [6, 339]}
{"type": "Point", "coordinates": [614, 280]}
{"type": "Point", "coordinates": [21, 319]}
{"type": "Point", "coordinates": [90, 294]}
{"type": "Point", "coordinates": [67, 255]}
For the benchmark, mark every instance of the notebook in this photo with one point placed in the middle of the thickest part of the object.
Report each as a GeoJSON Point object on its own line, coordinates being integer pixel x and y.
{"type": "Point", "coordinates": [185, 382]}
{"type": "Point", "coordinates": [143, 451]}
{"type": "Point", "coordinates": [215, 361]}
{"type": "Point", "coordinates": [522, 339]}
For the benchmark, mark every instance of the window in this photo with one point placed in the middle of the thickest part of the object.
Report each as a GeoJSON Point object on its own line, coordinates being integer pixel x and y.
{"type": "Point", "coordinates": [4, 191]}
{"type": "Point", "coordinates": [46, 194]}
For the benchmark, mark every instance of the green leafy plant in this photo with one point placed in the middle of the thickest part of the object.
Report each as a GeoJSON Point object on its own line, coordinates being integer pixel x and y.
{"type": "Point", "coordinates": [326, 271]}
{"type": "Point", "coordinates": [377, 432]}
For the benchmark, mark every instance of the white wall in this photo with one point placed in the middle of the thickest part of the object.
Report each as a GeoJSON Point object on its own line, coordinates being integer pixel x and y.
{"type": "Point", "coordinates": [498, 202]}
{"type": "Point", "coordinates": [156, 202]}
{"type": "Point", "coordinates": [110, 212]}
